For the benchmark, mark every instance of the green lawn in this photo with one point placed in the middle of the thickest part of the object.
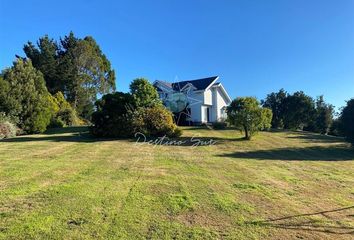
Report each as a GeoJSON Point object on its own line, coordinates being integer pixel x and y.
{"type": "Point", "coordinates": [66, 185]}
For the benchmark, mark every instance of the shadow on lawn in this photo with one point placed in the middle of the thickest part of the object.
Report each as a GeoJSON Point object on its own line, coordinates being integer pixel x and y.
{"type": "Point", "coordinates": [67, 134]}
{"type": "Point", "coordinates": [81, 134]}
{"type": "Point", "coordinates": [313, 137]}
{"type": "Point", "coordinates": [317, 153]}
{"type": "Point", "coordinates": [297, 222]}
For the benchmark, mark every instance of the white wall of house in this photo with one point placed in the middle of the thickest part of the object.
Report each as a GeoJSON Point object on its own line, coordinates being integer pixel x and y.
{"type": "Point", "coordinates": [208, 98]}
{"type": "Point", "coordinates": [204, 116]}
{"type": "Point", "coordinates": [195, 107]}
{"type": "Point", "coordinates": [213, 99]}
{"type": "Point", "coordinates": [221, 103]}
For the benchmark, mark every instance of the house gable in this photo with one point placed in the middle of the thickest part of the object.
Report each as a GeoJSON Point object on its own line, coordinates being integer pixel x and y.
{"type": "Point", "coordinates": [206, 97]}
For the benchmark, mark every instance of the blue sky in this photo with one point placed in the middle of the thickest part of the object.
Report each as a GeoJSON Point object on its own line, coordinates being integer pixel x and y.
{"type": "Point", "coordinates": [255, 46]}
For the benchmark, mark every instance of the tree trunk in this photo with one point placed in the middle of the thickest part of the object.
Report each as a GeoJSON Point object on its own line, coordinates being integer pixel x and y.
{"type": "Point", "coordinates": [247, 136]}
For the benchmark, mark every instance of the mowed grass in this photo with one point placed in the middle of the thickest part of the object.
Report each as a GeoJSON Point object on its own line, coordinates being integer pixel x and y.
{"type": "Point", "coordinates": [66, 185]}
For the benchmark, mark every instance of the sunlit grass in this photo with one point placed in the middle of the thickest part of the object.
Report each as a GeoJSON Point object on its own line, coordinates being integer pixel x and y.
{"type": "Point", "coordinates": [67, 185]}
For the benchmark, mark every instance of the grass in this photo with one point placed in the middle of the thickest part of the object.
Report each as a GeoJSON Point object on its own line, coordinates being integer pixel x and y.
{"type": "Point", "coordinates": [66, 185]}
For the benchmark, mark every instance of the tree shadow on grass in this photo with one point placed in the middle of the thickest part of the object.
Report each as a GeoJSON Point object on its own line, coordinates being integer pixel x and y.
{"type": "Point", "coordinates": [193, 141]}
{"type": "Point", "coordinates": [82, 134]}
{"type": "Point", "coordinates": [296, 222]}
{"type": "Point", "coordinates": [67, 134]}
{"type": "Point", "coordinates": [317, 138]}
{"type": "Point", "coordinates": [78, 129]}
{"type": "Point", "coordinates": [317, 153]}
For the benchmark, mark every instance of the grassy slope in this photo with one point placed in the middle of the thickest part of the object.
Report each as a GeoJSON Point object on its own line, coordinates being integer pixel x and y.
{"type": "Point", "coordinates": [65, 185]}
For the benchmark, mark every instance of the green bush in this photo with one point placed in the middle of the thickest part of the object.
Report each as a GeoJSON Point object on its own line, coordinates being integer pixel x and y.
{"type": "Point", "coordinates": [56, 123]}
{"type": "Point", "coordinates": [177, 133]}
{"type": "Point", "coordinates": [155, 121]}
{"type": "Point", "coordinates": [114, 116]}
{"type": "Point", "coordinates": [347, 120]}
{"type": "Point", "coordinates": [219, 125]}
{"type": "Point", "coordinates": [64, 115]}
{"type": "Point", "coordinates": [26, 97]}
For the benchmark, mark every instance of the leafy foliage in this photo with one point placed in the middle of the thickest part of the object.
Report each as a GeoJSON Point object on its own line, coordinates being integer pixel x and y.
{"type": "Point", "coordinates": [246, 114]}
{"type": "Point", "coordinates": [113, 117]}
{"type": "Point", "coordinates": [144, 93]}
{"type": "Point", "coordinates": [77, 67]}
{"type": "Point", "coordinates": [46, 59]}
{"type": "Point", "coordinates": [155, 121]}
{"type": "Point", "coordinates": [64, 115]}
{"type": "Point", "coordinates": [347, 121]}
{"type": "Point", "coordinates": [275, 102]}
{"type": "Point", "coordinates": [336, 128]}
{"type": "Point", "coordinates": [323, 117]}
{"type": "Point", "coordinates": [299, 110]}
{"type": "Point", "coordinates": [124, 114]}
{"type": "Point", "coordinates": [27, 99]}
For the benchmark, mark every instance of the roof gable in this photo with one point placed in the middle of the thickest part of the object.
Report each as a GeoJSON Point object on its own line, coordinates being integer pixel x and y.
{"type": "Point", "coordinates": [223, 91]}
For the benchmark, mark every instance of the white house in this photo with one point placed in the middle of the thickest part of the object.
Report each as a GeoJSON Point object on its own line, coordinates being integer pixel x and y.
{"type": "Point", "coordinates": [197, 101]}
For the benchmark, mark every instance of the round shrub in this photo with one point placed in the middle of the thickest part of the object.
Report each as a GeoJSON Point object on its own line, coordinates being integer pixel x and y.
{"type": "Point", "coordinates": [114, 116]}
{"type": "Point", "coordinates": [154, 121]}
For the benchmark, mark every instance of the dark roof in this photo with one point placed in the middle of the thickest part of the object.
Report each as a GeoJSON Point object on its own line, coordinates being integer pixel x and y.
{"type": "Point", "coordinates": [199, 84]}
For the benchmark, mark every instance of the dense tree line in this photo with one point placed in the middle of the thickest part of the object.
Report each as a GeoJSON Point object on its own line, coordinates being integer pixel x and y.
{"type": "Point", "coordinates": [299, 111]}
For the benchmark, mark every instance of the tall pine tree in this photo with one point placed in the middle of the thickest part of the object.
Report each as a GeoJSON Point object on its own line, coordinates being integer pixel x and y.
{"type": "Point", "coordinates": [77, 67]}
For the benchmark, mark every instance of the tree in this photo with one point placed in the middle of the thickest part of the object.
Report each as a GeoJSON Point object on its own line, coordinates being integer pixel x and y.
{"type": "Point", "coordinates": [6, 102]}
{"type": "Point", "coordinates": [93, 74]}
{"type": "Point", "coordinates": [45, 58]}
{"type": "Point", "coordinates": [336, 128]}
{"type": "Point", "coordinates": [77, 67]}
{"type": "Point", "coordinates": [275, 102]}
{"type": "Point", "coordinates": [144, 93]}
{"type": "Point", "coordinates": [299, 110]}
{"type": "Point", "coordinates": [246, 114]}
{"type": "Point", "coordinates": [324, 116]}
{"type": "Point", "coordinates": [347, 121]}
{"type": "Point", "coordinates": [28, 98]}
